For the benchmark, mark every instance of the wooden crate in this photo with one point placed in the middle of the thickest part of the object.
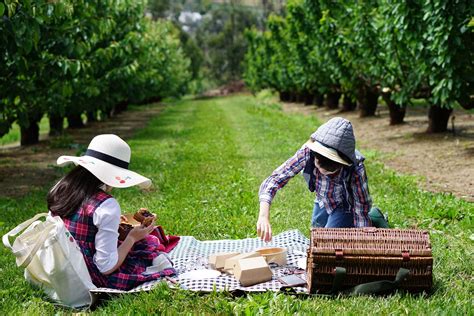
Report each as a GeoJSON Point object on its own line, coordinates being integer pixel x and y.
{"type": "Point", "coordinates": [369, 254]}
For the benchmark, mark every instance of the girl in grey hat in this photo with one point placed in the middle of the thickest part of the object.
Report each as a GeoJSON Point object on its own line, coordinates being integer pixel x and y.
{"type": "Point", "coordinates": [334, 170]}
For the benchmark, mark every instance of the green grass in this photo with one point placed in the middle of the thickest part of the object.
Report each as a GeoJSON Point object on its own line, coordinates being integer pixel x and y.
{"type": "Point", "coordinates": [207, 159]}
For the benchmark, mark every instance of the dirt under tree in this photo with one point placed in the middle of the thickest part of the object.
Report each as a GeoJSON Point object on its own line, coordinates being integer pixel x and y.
{"type": "Point", "coordinates": [25, 168]}
{"type": "Point", "coordinates": [444, 161]}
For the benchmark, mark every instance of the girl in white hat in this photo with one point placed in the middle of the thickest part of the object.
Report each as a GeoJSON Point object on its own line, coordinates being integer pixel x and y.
{"type": "Point", "coordinates": [82, 199]}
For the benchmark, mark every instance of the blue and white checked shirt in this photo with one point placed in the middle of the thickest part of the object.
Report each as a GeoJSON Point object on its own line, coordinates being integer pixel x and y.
{"type": "Point", "coordinates": [333, 191]}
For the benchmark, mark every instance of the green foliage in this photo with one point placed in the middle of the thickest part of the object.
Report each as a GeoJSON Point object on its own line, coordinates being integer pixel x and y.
{"type": "Point", "coordinates": [162, 68]}
{"type": "Point", "coordinates": [257, 74]}
{"type": "Point", "coordinates": [401, 66]}
{"type": "Point", "coordinates": [193, 52]}
{"type": "Point", "coordinates": [408, 49]}
{"type": "Point", "coordinates": [26, 68]}
{"type": "Point", "coordinates": [70, 57]}
{"type": "Point", "coordinates": [221, 38]}
{"type": "Point", "coordinates": [449, 52]}
{"type": "Point", "coordinates": [159, 8]}
{"type": "Point", "coordinates": [207, 159]}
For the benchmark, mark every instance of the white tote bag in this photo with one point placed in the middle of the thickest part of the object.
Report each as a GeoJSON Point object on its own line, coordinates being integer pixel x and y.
{"type": "Point", "coordinates": [52, 260]}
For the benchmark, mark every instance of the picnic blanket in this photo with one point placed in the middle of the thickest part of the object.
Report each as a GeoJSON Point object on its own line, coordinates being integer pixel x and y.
{"type": "Point", "coordinates": [192, 254]}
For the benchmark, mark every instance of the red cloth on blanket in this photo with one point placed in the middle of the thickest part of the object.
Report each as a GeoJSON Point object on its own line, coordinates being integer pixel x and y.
{"type": "Point", "coordinates": [167, 243]}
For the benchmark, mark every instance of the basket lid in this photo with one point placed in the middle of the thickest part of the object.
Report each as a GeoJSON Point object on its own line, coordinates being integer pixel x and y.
{"type": "Point", "coordinates": [370, 241]}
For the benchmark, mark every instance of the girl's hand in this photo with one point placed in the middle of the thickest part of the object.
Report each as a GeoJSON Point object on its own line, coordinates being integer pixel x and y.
{"type": "Point", "coordinates": [140, 232]}
{"type": "Point", "coordinates": [264, 229]}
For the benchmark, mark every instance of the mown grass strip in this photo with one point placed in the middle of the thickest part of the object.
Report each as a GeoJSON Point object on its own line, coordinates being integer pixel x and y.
{"type": "Point", "coordinates": [207, 159]}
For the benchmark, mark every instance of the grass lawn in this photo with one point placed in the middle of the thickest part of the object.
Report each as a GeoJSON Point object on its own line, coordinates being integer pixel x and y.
{"type": "Point", "coordinates": [207, 159]}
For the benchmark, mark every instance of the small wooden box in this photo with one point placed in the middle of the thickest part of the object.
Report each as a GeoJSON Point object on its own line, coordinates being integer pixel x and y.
{"type": "Point", "coordinates": [217, 260]}
{"type": "Point", "coordinates": [369, 254]}
{"type": "Point", "coordinates": [252, 271]}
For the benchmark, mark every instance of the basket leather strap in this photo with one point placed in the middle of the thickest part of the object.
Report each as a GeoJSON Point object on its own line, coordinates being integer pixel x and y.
{"type": "Point", "coordinates": [338, 279]}
{"type": "Point", "coordinates": [371, 287]}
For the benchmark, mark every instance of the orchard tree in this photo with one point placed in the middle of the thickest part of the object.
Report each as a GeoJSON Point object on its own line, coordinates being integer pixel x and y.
{"type": "Point", "coordinates": [358, 48]}
{"type": "Point", "coordinates": [449, 55]}
{"type": "Point", "coordinates": [401, 48]}
{"type": "Point", "coordinates": [28, 63]}
{"type": "Point", "coordinates": [68, 58]}
{"type": "Point", "coordinates": [221, 38]}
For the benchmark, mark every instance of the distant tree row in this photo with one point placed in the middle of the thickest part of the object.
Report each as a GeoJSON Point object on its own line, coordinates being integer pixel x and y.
{"type": "Point", "coordinates": [362, 50]}
{"type": "Point", "coordinates": [67, 58]}
{"type": "Point", "coordinates": [213, 34]}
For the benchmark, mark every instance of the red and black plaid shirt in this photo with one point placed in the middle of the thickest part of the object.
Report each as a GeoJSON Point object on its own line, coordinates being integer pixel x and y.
{"type": "Point", "coordinates": [129, 274]}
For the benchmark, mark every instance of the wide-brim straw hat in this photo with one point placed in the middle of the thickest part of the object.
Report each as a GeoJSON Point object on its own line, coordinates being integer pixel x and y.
{"type": "Point", "coordinates": [327, 152]}
{"type": "Point", "coordinates": [107, 158]}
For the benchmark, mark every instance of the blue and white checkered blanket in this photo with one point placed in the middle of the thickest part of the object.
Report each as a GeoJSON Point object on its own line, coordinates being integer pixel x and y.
{"type": "Point", "coordinates": [192, 254]}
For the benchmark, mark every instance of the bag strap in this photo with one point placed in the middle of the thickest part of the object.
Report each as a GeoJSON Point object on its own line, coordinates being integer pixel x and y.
{"type": "Point", "coordinates": [38, 243]}
{"type": "Point", "coordinates": [371, 287]}
{"type": "Point", "coordinates": [19, 228]}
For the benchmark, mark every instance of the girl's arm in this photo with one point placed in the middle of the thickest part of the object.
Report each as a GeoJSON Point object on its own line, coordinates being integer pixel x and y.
{"type": "Point", "coordinates": [108, 257]}
{"type": "Point", "coordinates": [281, 175]}
{"type": "Point", "coordinates": [136, 234]}
{"type": "Point", "coordinates": [106, 219]}
{"type": "Point", "coordinates": [275, 182]}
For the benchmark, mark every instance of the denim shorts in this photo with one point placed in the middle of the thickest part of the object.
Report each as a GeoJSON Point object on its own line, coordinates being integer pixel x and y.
{"type": "Point", "coordinates": [339, 218]}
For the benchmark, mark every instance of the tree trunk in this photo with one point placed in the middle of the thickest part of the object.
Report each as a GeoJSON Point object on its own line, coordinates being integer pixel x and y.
{"type": "Point", "coordinates": [367, 101]}
{"type": "Point", "coordinates": [75, 121]}
{"type": "Point", "coordinates": [308, 98]}
{"type": "Point", "coordinates": [110, 112]}
{"type": "Point", "coordinates": [348, 104]}
{"type": "Point", "coordinates": [104, 115]}
{"type": "Point", "coordinates": [318, 99]}
{"type": "Point", "coordinates": [397, 112]}
{"type": "Point", "coordinates": [292, 97]}
{"type": "Point", "coordinates": [92, 116]}
{"type": "Point", "coordinates": [30, 134]}
{"type": "Point", "coordinates": [299, 97]}
{"type": "Point", "coordinates": [468, 105]}
{"type": "Point", "coordinates": [284, 96]}
{"type": "Point", "coordinates": [121, 106]}
{"type": "Point", "coordinates": [438, 118]}
{"type": "Point", "coordinates": [56, 126]}
{"type": "Point", "coordinates": [152, 100]}
{"type": "Point", "coordinates": [332, 100]}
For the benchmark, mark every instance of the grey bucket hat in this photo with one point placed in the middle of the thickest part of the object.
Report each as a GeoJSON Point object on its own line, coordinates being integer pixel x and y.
{"type": "Point", "coordinates": [334, 137]}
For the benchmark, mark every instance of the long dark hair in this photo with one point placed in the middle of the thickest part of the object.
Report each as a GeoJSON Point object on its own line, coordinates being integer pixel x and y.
{"type": "Point", "coordinates": [68, 195]}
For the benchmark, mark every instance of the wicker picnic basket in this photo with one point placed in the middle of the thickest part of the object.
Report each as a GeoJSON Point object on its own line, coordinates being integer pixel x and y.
{"type": "Point", "coordinates": [368, 255]}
